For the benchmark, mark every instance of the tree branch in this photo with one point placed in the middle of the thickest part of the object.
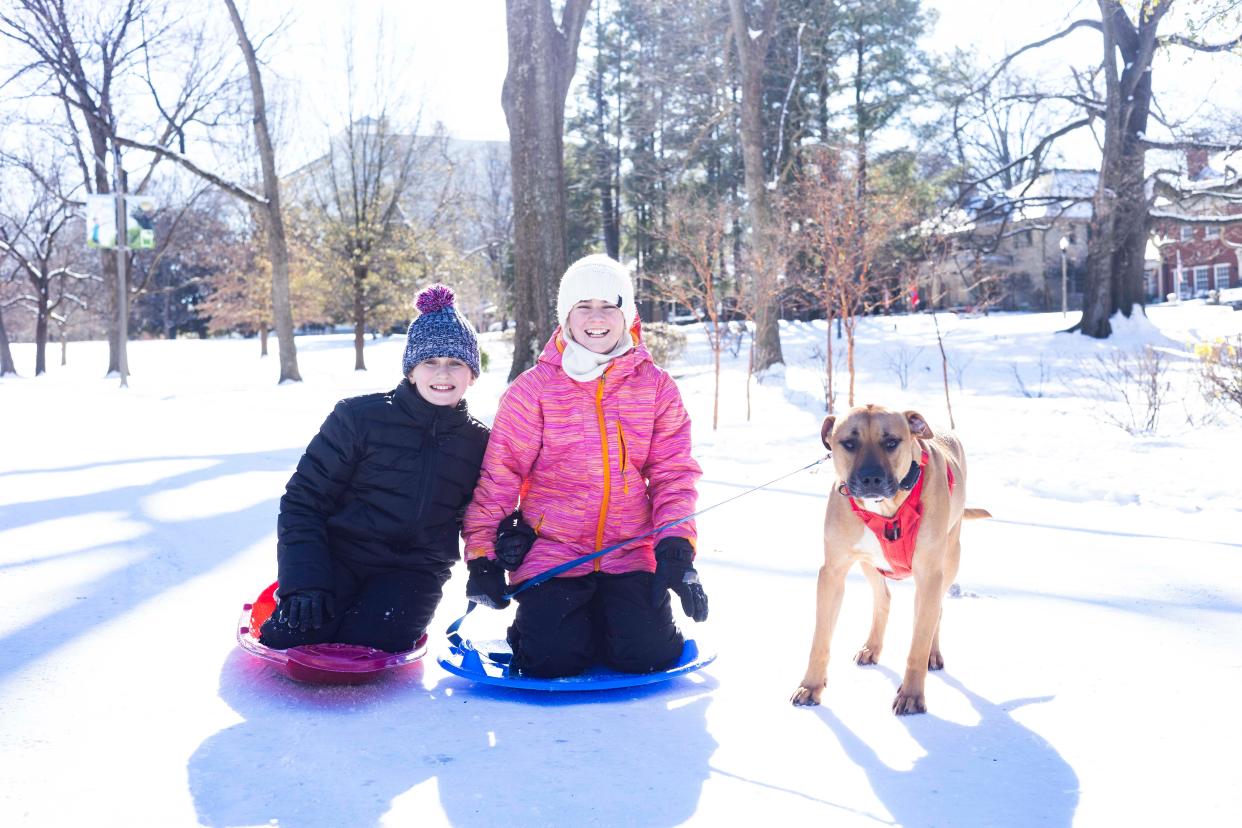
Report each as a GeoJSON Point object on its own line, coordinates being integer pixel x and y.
{"type": "Point", "coordinates": [228, 186]}
{"type": "Point", "coordinates": [1039, 148]}
{"type": "Point", "coordinates": [1005, 61]}
{"type": "Point", "coordinates": [1182, 40]}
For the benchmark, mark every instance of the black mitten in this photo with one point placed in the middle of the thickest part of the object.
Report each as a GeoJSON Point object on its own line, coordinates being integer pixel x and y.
{"type": "Point", "coordinates": [514, 538]}
{"type": "Point", "coordinates": [675, 571]}
{"type": "Point", "coordinates": [306, 609]}
{"type": "Point", "coordinates": [486, 584]}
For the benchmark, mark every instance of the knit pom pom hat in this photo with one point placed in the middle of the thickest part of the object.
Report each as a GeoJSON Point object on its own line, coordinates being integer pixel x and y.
{"type": "Point", "coordinates": [596, 277]}
{"type": "Point", "coordinates": [439, 331]}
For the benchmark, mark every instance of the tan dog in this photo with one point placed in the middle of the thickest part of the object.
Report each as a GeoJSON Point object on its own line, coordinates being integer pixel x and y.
{"type": "Point", "coordinates": [877, 454]}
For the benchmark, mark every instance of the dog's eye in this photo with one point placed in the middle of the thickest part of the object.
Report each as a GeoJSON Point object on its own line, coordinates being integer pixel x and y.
{"type": "Point", "coordinates": [849, 445]}
{"type": "Point", "coordinates": [891, 444]}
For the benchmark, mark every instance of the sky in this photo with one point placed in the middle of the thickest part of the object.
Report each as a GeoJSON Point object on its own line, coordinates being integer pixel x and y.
{"type": "Point", "coordinates": [453, 56]}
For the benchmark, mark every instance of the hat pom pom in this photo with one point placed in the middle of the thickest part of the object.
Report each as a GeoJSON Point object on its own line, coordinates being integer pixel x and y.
{"type": "Point", "coordinates": [435, 298]}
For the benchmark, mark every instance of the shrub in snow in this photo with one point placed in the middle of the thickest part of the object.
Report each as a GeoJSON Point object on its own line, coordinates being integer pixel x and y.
{"type": "Point", "coordinates": [900, 361]}
{"type": "Point", "coordinates": [1037, 389]}
{"type": "Point", "coordinates": [665, 342]}
{"type": "Point", "coordinates": [1220, 371]}
{"type": "Point", "coordinates": [1136, 383]}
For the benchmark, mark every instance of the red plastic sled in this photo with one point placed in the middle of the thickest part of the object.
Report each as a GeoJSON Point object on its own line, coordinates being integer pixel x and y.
{"type": "Point", "coordinates": [319, 663]}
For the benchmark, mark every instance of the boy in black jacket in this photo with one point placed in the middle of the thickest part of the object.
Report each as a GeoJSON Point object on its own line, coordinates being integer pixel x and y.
{"type": "Point", "coordinates": [369, 522]}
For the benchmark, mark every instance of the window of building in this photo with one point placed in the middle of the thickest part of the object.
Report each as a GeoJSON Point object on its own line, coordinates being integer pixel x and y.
{"type": "Point", "coordinates": [1188, 233]}
{"type": "Point", "coordinates": [1201, 279]}
{"type": "Point", "coordinates": [1222, 276]}
{"type": "Point", "coordinates": [1211, 232]}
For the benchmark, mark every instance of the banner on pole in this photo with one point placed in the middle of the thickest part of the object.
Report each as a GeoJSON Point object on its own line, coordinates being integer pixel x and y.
{"type": "Point", "coordinates": [100, 221]}
{"type": "Point", "coordinates": [139, 222]}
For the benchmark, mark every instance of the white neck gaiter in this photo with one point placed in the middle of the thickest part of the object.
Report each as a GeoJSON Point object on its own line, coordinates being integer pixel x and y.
{"type": "Point", "coordinates": [583, 365]}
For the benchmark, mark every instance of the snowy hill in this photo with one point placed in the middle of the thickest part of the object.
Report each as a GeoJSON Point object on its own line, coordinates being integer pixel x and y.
{"type": "Point", "coordinates": [1090, 656]}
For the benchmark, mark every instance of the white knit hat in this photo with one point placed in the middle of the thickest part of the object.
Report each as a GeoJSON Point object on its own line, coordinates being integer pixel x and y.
{"type": "Point", "coordinates": [596, 277]}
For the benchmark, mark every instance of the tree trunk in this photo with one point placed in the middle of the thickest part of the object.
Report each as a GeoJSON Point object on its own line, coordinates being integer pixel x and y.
{"type": "Point", "coordinates": [278, 249]}
{"type": "Point", "coordinates": [1118, 240]}
{"type": "Point", "coordinates": [752, 53]}
{"type": "Point", "coordinates": [263, 340]}
{"type": "Point", "coordinates": [41, 332]}
{"type": "Point", "coordinates": [605, 176]}
{"type": "Point", "coordinates": [360, 317]}
{"type": "Point", "coordinates": [6, 353]}
{"type": "Point", "coordinates": [542, 59]}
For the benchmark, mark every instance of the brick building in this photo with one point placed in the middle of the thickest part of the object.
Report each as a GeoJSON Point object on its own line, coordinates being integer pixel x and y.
{"type": "Point", "coordinates": [1198, 259]}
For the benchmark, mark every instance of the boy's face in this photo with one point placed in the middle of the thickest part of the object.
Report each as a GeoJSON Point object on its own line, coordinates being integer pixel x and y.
{"type": "Point", "coordinates": [597, 325]}
{"type": "Point", "coordinates": [442, 380]}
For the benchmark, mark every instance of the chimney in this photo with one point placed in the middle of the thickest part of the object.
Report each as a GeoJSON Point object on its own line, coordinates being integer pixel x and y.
{"type": "Point", "coordinates": [1196, 162]}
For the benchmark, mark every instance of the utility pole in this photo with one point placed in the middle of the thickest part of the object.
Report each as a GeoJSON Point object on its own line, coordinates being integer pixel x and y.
{"type": "Point", "coordinates": [122, 278]}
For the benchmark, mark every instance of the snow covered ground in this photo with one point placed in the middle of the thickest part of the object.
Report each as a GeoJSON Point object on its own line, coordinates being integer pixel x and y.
{"type": "Point", "coordinates": [1091, 660]}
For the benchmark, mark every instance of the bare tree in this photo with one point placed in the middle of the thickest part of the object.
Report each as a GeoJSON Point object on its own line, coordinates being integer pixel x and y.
{"type": "Point", "coordinates": [1124, 108]}
{"type": "Point", "coordinates": [36, 236]}
{"type": "Point", "coordinates": [363, 189]}
{"type": "Point", "coordinates": [84, 61]}
{"type": "Point", "coordinates": [751, 37]}
{"type": "Point", "coordinates": [844, 242]}
{"type": "Point", "coordinates": [696, 277]}
{"type": "Point", "coordinates": [542, 60]}
{"type": "Point", "coordinates": [278, 248]}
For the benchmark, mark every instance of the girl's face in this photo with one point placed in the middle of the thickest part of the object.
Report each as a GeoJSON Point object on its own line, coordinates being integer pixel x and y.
{"type": "Point", "coordinates": [597, 325]}
{"type": "Point", "coordinates": [442, 380]}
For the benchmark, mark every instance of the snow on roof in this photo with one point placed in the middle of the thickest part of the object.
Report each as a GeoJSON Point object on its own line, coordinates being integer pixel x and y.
{"type": "Point", "coordinates": [1053, 194]}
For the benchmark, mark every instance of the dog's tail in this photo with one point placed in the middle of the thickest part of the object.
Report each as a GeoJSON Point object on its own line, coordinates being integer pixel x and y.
{"type": "Point", "coordinates": [976, 514]}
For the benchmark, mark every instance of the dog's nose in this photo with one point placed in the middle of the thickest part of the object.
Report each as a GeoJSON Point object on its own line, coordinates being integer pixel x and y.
{"type": "Point", "coordinates": [869, 480]}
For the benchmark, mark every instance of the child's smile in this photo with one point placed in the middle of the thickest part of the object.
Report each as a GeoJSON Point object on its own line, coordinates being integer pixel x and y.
{"type": "Point", "coordinates": [597, 325]}
{"type": "Point", "coordinates": [442, 380]}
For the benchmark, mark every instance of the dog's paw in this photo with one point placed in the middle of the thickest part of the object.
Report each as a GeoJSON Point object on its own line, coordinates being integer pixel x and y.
{"type": "Point", "coordinates": [806, 696]}
{"type": "Point", "coordinates": [867, 655]}
{"type": "Point", "coordinates": [908, 703]}
{"type": "Point", "coordinates": [935, 661]}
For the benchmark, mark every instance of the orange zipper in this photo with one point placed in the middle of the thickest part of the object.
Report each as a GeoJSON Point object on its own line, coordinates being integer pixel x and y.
{"type": "Point", "coordinates": [603, 439]}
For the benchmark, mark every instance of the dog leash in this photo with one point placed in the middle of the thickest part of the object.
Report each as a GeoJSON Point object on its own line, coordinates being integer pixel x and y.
{"type": "Point", "coordinates": [460, 643]}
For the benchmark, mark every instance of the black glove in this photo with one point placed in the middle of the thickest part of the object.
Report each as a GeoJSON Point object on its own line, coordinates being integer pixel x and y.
{"type": "Point", "coordinates": [486, 584]}
{"type": "Point", "coordinates": [675, 571]}
{"type": "Point", "coordinates": [306, 609]}
{"type": "Point", "coordinates": [514, 538]}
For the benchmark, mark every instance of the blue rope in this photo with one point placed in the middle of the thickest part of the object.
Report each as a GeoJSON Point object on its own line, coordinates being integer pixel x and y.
{"type": "Point", "coordinates": [457, 641]}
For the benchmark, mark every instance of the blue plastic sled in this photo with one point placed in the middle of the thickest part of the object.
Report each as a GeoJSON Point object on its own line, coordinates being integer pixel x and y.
{"type": "Point", "coordinates": [475, 665]}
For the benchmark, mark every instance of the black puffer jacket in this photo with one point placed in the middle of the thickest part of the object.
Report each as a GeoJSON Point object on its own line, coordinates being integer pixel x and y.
{"type": "Point", "coordinates": [383, 483]}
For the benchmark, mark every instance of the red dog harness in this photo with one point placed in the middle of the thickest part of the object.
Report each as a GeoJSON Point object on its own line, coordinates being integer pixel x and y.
{"type": "Point", "coordinates": [898, 533]}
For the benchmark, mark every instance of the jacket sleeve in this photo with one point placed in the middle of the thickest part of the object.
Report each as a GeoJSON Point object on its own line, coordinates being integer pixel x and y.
{"type": "Point", "coordinates": [517, 435]}
{"type": "Point", "coordinates": [303, 556]}
{"type": "Point", "coordinates": [671, 472]}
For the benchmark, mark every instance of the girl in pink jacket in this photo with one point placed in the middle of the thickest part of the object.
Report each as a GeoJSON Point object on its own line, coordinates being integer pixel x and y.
{"type": "Point", "coordinates": [593, 445]}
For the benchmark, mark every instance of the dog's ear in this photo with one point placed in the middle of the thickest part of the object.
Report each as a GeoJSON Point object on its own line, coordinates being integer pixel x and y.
{"type": "Point", "coordinates": [918, 426]}
{"type": "Point", "coordinates": [825, 431]}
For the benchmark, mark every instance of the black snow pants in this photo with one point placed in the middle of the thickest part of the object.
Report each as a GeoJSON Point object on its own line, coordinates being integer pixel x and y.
{"type": "Point", "coordinates": [384, 608]}
{"type": "Point", "coordinates": [565, 625]}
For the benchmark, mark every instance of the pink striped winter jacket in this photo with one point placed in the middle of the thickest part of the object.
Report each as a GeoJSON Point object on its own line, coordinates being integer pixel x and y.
{"type": "Point", "coordinates": [593, 463]}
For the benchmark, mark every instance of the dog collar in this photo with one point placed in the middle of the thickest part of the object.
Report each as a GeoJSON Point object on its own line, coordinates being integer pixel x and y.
{"type": "Point", "coordinates": [912, 476]}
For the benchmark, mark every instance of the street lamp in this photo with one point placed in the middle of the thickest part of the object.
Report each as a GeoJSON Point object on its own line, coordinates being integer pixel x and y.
{"type": "Point", "coordinates": [1064, 243]}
